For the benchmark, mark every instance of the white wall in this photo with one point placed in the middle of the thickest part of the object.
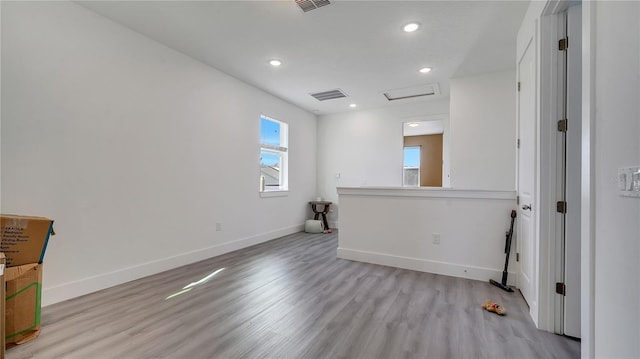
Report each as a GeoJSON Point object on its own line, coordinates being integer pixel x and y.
{"type": "Point", "coordinates": [399, 232]}
{"type": "Point", "coordinates": [134, 149]}
{"type": "Point", "coordinates": [0, 102]}
{"type": "Point", "coordinates": [483, 128]}
{"type": "Point", "coordinates": [617, 141]}
{"type": "Point", "coordinates": [366, 147]}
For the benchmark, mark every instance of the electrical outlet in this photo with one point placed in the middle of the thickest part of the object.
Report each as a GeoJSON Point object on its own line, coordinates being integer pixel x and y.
{"type": "Point", "coordinates": [218, 227]}
{"type": "Point", "coordinates": [436, 238]}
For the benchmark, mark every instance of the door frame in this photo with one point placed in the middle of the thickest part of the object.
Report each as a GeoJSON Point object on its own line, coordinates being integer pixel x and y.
{"type": "Point", "coordinates": [587, 210]}
{"type": "Point", "coordinates": [546, 28]}
{"type": "Point", "coordinates": [552, 28]}
{"type": "Point", "coordinates": [538, 17]}
{"type": "Point", "coordinates": [572, 270]}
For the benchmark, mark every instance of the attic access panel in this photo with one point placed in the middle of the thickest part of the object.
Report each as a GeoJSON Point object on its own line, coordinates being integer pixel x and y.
{"type": "Point", "coordinates": [412, 92]}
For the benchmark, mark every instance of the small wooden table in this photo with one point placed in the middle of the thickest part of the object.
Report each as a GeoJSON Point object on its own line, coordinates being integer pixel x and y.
{"type": "Point", "coordinates": [323, 212]}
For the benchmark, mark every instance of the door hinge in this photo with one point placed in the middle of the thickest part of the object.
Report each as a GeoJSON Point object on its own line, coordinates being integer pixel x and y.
{"type": "Point", "coordinates": [518, 85]}
{"type": "Point", "coordinates": [562, 125]}
{"type": "Point", "coordinates": [517, 257]}
{"type": "Point", "coordinates": [563, 44]}
{"type": "Point", "coordinates": [561, 207]}
{"type": "Point", "coordinates": [518, 143]}
{"type": "Point", "coordinates": [517, 199]}
{"type": "Point", "coordinates": [561, 288]}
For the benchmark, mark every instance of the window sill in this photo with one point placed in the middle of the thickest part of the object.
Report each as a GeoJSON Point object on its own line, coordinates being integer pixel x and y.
{"type": "Point", "coordinates": [268, 194]}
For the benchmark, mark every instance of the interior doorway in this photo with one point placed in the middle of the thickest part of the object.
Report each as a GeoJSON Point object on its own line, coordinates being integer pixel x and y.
{"type": "Point", "coordinates": [430, 158]}
{"type": "Point", "coordinates": [559, 206]}
{"type": "Point", "coordinates": [426, 152]}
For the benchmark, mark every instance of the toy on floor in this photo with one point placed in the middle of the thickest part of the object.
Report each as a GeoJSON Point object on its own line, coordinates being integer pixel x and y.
{"type": "Point", "coordinates": [494, 307]}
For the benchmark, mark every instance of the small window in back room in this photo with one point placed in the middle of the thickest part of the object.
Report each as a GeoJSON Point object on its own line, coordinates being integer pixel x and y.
{"type": "Point", "coordinates": [411, 167]}
{"type": "Point", "coordinates": [274, 155]}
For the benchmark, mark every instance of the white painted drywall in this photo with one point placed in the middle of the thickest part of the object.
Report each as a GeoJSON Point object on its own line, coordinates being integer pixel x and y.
{"type": "Point", "coordinates": [617, 140]}
{"type": "Point", "coordinates": [483, 131]}
{"type": "Point", "coordinates": [396, 227]}
{"type": "Point", "coordinates": [134, 149]}
{"type": "Point", "coordinates": [0, 101]}
{"type": "Point", "coordinates": [366, 147]}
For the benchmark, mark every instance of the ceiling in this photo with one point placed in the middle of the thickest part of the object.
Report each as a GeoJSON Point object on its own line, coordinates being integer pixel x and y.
{"type": "Point", "coordinates": [418, 128]}
{"type": "Point", "coordinates": [356, 46]}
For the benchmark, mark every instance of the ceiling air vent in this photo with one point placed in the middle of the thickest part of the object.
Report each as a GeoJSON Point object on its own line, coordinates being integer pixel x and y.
{"type": "Point", "coordinates": [328, 95]}
{"type": "Point", "coordinates": [412, 92]}
{"type": "Point", "coordinates": [308, 5]}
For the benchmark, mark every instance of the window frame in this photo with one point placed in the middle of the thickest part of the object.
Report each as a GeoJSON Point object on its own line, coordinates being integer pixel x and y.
{"type": "Point", "coordinates": [281, 151]}
{"type": "Point", "coordinates": [404, 168]}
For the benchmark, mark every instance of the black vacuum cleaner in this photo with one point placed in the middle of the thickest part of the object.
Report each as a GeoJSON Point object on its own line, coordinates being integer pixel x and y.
{"type": "Point", "coordinates": [507, 249]}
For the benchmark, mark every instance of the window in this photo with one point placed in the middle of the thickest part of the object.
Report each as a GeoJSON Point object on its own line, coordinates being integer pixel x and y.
{"type": "Point", "coordinates": [411, 167]}
{"type": "Point", "coordinates": [274, 155]}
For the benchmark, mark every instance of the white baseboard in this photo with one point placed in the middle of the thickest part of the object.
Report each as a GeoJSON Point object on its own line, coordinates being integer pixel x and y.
{"type": "Point", "coordinates": [51, 295]}
{"type": "Point", "coordinates": [423, 265]}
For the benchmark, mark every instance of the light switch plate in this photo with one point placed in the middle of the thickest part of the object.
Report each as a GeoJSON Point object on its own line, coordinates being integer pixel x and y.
{"type": "Point", "coordinates": [629, 181]}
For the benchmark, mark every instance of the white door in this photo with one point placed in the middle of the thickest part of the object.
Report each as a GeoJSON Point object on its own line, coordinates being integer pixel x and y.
{"type": "Point", "coordinates": [573, 170]}
{"type": "Point", "coordinates": [526, 172]}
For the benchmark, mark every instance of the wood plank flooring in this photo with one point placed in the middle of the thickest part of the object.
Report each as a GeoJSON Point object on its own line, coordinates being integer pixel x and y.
{"type": "Point", "coordinates": [291, 298]}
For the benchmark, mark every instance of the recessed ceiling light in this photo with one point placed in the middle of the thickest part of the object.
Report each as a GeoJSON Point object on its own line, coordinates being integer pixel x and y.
{"type": "Point", "coordinates": [425, 70]}
{"type": "Point", "coordinates": [275, 63]}
{"type": "Point", "coordinates": [352, 105]}
{"type": "Point", "coordinates": [411, 27]}
{"type": "Point", "coordinates": [413, 124]}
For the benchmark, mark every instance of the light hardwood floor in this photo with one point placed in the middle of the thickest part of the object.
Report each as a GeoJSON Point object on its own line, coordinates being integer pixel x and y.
{"type": "Point", "coordinates": [291, 298]}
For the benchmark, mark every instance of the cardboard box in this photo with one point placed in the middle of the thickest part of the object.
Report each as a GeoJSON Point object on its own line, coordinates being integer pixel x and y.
{"type": "Point", "coordinates": [23, 239]}
{"type": "Point", "coordinates": [23, 305]}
